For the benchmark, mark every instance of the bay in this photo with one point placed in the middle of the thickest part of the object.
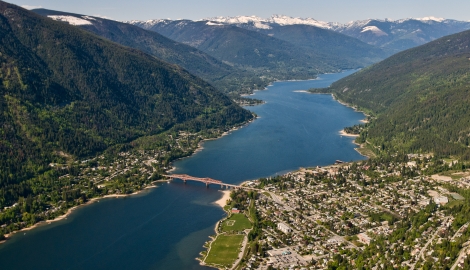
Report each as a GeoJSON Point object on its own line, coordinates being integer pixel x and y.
{"type": "Point", "coordinates": [165, 227]}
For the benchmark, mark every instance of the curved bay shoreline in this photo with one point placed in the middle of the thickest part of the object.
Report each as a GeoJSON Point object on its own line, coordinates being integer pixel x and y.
{"type": "Point", "coordinates": [220, 202]}
{"type": "Point", "coordinates": [111, 196]}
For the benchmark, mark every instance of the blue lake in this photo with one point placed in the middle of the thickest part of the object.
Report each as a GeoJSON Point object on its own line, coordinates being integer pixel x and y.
{"type": "Point", "coordinates": [165, 227]}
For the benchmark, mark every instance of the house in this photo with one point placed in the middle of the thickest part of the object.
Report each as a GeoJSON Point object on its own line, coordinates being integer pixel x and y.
{"type": "Point", "coordinates": [364, 238]}
{"type": "Point", "coordinates": [284, 228]}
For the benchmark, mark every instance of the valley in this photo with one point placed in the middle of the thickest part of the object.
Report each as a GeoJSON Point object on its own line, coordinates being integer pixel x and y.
{"type": "Point", "coordinates": [95, 112]}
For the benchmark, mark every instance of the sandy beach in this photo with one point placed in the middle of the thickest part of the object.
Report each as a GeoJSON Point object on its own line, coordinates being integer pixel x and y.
{"type": "Point", "coordinates": [222, 201]}
{"type": "Point", "coordinates": [343, 133]}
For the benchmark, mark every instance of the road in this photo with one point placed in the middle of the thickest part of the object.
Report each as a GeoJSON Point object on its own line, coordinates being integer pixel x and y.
{"type": "Point", "coordinates": [279, 201]}
{"type": "Point", "coordinates": [242, 250]}
{"type": "Point", "coordinates": [421, 253]}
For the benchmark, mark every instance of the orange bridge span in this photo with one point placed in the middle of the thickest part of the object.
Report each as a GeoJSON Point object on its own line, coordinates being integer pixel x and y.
{"type": "Point", "coordinates": [205, 180]}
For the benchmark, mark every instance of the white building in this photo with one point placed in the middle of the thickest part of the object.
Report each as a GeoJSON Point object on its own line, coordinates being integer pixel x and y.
{"type": "Point", "coordinates": [364, 238]}
{"type": "Point", "coordinates": [283, 227]}
{"type": "Point", "coordinates": [441, 200]}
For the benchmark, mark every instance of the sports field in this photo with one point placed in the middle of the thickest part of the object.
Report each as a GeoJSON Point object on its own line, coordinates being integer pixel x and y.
{"type": "Point", "coordinates": [237, 222]}
{"type": "Point", "coordinates": [224, 250]}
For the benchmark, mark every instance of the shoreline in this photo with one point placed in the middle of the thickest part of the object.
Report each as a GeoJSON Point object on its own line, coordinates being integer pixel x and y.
{"type": "Point", "coordinates": [152, 185]}
{"type": "Point", "coordinates": [350, 106]}
{"type": "Point", "coordinates": [222, 202]}
{"type": "Point", "coordinates": [70, 210]}
{"type": "Point", "coordinates": [344, 133]}
{"type": "Point", "coordinates": [200, 145]}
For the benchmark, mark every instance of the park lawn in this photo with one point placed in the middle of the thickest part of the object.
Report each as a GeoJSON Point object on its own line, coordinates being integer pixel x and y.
{"type": "Point", "coordinates": [224, 250]}
{"type": "Point", "coordinates": [236, 222]}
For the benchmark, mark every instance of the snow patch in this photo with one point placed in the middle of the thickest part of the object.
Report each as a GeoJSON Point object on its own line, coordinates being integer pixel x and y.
{"type": "Point", "coordinates": [261, 26]}
{"type": "Point", "coordinates": [264, 23]}
{"type": "Point", "coordinates": [89, 18]}
{"type": "Point", "coordinates": [237, 19]}
{"type": "Point", "coordinates": [375, 30]}
{"type": "Point", "coordinates": [286, 20]}
{"type": "Point", "coordinates": [70, 19]}
{"type": "Point", "coordinates": [213, 23]}
{"type": "Point", "coordinates": [431, 18]}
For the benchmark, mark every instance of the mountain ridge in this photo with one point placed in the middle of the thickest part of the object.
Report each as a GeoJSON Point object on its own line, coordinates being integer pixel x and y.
{"type": "Point", "coordinates": [419, 96]}
{"type": "Point", "coordinates": [66, 90]}
{"type": "Point", "coordinates": [224, 77]}
{"type": "Point", "coordinates": [391, 35]}
{"type": "Point", "coordinates": [265, 53]}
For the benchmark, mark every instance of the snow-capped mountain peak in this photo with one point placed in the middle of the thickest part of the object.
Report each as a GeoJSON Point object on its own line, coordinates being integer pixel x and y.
{"type": "Point", "coordinates": [375, 30]}
{"type": "Point", "coordinates": [256, 21]}
{"type": "Point", "coordinates": [236, 20]}
{"type": "Point", "coordinates": [430, 18]}
{"type": "Point", "coordinates": [286, 20]}
{"type": "Point", "coordinates": [264, 23]}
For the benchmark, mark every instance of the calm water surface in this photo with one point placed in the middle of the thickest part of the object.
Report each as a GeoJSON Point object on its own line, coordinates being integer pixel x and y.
{"type": "Point", "coordinates": [165, 227]}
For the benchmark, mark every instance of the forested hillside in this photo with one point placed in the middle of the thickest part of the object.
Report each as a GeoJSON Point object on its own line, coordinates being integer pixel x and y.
{"type": "Point", "coordinates": [333, 47]}
{"type": "Point", "coordinates": [266, 55]}
{"type": "Point", "coordinates": [420, 98]}
{"type": "Point", "coordinates": [66, 93]}
{"type": "Point", "coordinates": [225, 77]}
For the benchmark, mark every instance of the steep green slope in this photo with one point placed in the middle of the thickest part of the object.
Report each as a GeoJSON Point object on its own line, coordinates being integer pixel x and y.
{"type": "Point", "coordinates": [224, 77]}
{"type": "Point", "coordinates": [420, 97]}
{"type": "Point", "coordinates": [65, 91]}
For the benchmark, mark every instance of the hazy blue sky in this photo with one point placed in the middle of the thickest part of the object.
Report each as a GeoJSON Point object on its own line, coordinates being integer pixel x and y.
{"type": "Point", "coordinates": [324, 10]}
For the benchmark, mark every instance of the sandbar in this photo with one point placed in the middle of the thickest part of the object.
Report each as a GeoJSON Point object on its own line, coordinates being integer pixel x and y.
{"type": "Point", "coordinates": [223, 201]}
{"type": "Point", "coordinates": [344, 133]}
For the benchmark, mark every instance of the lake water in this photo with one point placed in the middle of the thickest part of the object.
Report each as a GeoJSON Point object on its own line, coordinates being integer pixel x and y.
{"type": "Point", "coordinates": [165, 227]}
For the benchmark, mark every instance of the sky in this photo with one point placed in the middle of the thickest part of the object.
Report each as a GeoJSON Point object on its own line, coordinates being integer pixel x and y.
{"type": "Point", "coordinates": [324, 10]}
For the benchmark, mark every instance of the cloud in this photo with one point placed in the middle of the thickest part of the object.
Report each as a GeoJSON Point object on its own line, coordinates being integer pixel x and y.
{"type": "Point", "coordinates": [30, 7]}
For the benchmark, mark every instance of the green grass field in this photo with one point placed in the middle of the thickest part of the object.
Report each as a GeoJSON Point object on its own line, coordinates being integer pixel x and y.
{"type": "Point", "coordinates": [225, 249]}
{"type": "Point", "coordinates": [237, 222]}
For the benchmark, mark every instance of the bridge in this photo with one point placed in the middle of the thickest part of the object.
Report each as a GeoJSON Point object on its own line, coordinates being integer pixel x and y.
{"type": "Point", "coordinates": [205, 180]}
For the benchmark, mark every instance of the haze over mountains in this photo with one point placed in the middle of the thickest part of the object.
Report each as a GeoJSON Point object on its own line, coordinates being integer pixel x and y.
{"type": "Point", "coordinates": [261, 51]}
{"type": "Point", "coordinates": [392, 35]}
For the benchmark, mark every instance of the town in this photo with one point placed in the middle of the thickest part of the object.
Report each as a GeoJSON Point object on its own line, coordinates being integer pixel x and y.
{"type": "Point", "coordinates": [400, 212]}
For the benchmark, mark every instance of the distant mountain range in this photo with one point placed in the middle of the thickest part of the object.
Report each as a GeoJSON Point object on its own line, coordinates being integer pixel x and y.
{"type": "Point", "coordinates": [280, 55]}
{"type": "Point", "coordinates": [234, 59]}
{"type": "Point", "coordinates": [392, 35]}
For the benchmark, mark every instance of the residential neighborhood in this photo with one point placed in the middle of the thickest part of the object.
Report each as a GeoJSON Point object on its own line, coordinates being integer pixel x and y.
{"type": "Point", "coordinates": [405, 212]}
